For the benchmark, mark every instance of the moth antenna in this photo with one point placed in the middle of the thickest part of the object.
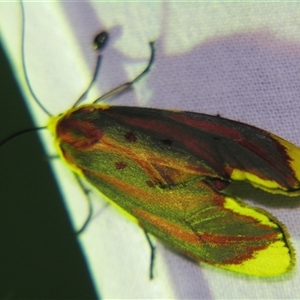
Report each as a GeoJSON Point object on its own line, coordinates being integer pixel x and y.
{"type": "Point", "coordinates": [13, 136]}
{"type": "Point", "coordinates": [129, 84]}
{"type": "Point", "coordinates": [97, 68]}
{"type": "Point", "coordinates": [98, 44]}
{"type": "Point", "coordinates": [24, 63]}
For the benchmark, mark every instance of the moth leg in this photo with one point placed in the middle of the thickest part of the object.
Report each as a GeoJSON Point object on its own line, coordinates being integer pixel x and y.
{"type": "Point", "coordinates": [87, 192]}
{"type": "Point", "coordinates": [152, 255]}
{"type": "Point", "coordinates": [129, 84]}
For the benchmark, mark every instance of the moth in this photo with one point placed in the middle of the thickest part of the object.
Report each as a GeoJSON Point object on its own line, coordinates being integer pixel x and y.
{"type": "Point", "coordinates": [170, 169]}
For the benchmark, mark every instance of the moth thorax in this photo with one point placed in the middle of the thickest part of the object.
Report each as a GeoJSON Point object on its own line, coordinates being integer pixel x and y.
{"type": "Point", "coordinates": [78, 132]}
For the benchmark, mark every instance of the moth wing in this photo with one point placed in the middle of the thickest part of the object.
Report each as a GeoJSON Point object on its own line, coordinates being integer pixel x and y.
{"type": "Point", "coordinates": [215, 147]}
{"type": "Point", "coordinates": [165, 143]}
{"type": "Point", "coordinates": [222, 231]}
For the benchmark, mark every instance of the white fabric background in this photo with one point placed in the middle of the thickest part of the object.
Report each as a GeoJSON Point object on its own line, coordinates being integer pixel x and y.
{"type": "Point", "coordinates": [239, 60]}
